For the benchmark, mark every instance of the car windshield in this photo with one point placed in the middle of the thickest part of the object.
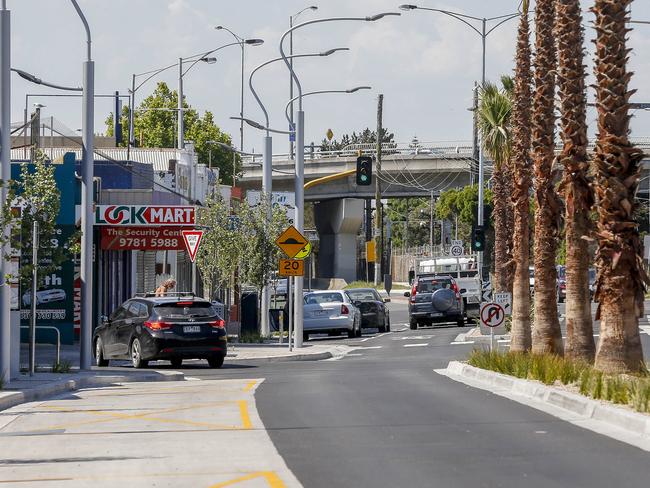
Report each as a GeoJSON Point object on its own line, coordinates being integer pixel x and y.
{"type": "Point", "coordinates": [362, 295]}
{"type": "Point", "coordinates": [185, 309]}
{"type": "Point", "coordinates": [429, 286]}
{"type": "Point", "coordinates": [316, 298]}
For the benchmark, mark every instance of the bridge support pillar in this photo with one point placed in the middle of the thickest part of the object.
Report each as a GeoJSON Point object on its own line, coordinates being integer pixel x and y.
{"type": "Point", "coordinates": [338, 222]}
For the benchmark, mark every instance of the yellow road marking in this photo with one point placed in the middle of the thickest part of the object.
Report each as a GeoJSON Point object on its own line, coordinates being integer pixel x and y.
{"type": "Point", "coordinates": [243, 410]}
{"type": "Point", "coordinates": [243, 413]}
{"type": "Point", "coordinates": [271, 478]}
{"type": "Point", "coordinates": [250, 385]}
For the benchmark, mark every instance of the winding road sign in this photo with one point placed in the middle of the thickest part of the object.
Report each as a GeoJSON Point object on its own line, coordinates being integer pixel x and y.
{"type": "Point", "coordinates": [492, 314]}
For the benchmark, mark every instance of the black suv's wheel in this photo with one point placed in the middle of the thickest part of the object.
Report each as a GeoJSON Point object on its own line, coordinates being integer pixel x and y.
{"type": "Point", "coordinates": [460, 321]}
{"type": "Point", "coordinates": [215, 361]}
{"type": "Point", "coordinates": [176, 362]}
{"type": "Point", "coordinates": [305, 336]}
{"type": "Point", "coordinates": [136, 354]}
{"type": "Point", "coordinates": [99, 353]}
{"type": "Point", "coordinates": [413, 324]}
{"type": "Point", "coordinates": [388, 323]}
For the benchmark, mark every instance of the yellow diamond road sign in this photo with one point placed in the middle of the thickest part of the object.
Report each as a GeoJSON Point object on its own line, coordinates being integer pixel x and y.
{"type": "Point", "coordinates": [291, 241]}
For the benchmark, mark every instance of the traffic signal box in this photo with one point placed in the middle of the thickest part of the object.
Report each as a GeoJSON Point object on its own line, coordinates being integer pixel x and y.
{"type": "Point", "coordinates": [478, 239]}
{"type": "Point", "coordinates": [364, 170]}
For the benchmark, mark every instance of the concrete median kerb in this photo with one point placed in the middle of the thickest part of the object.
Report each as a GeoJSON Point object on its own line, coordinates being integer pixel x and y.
{"type": "Point", "coordinates": [280, 353]}
{"type": "Point", "coordinates": [583, 408]}
{"type": "Point", "coordinates": [45, 385]}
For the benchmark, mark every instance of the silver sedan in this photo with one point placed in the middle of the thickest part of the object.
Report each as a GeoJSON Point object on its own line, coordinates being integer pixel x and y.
{"type": "Point", "coordinates": [330, 312]}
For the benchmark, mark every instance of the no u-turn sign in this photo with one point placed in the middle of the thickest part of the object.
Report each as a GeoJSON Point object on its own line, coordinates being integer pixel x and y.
{"type": "Point", "coordinates": [492, 314]}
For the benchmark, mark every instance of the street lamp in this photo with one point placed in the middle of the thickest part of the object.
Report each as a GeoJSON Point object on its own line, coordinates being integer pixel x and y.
{"type": "Point", "coordinates": [300, 153]}
{"type": "Point", "coordinates": [87, 142]}
{"type": "Point", "coordinates": [321, 92]}
{"type": "Point", "coordinates": [242, 42]}
{"type": "Point", "coordinates": [484, 32]}
{"type": "Point", "coordinates": [293, 17]}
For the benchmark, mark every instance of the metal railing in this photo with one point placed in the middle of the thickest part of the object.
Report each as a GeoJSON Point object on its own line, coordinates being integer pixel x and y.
{"type": "Point", "coordinates": [58, 338]}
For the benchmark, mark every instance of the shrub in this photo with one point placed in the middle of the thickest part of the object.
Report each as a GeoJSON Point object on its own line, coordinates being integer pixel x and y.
{"type": "Point", "coordinates": [547, 368]}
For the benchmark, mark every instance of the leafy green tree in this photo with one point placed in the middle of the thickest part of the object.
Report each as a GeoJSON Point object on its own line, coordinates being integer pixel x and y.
{"type": "Point", "coordinates": [36, 195]}
{"type": "Point", "coordinates": [366, 136]}
{"type": "Point", "coordinates": [155, 126]}
{"type": "Point", "coordinates": [410, 218]}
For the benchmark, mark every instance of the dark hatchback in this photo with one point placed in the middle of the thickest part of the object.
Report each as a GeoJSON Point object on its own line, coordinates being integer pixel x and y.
{"type": "Point", "coordinates": [374, 312]}
{"type": "Point", "coordinates": [170, 328]}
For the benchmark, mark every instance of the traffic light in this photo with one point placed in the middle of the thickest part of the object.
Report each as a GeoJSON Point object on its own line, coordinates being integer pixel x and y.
{"type": "Point", "coordinates": [364, 170]}
{"type": "Point", "coordinates": [478, 239]}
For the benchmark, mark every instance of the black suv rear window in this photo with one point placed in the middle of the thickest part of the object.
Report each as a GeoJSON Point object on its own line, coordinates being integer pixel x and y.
{"type": "Point", "coordinates": [429, 286]}
{"type": "Point", "coordinates": [185, 309]}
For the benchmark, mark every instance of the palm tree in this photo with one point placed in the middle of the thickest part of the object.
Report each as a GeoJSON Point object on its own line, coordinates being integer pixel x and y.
{"type": "Point", "coordinates": [621, 280]}
{"type": "Point", "coordinates": [578, 195]}
{"type": "Point", "coordinates": [494, 112]}
{"type": "Point", "coordinates": [546, 333]}
{"type": "Point", "coordinates": [521, 334]}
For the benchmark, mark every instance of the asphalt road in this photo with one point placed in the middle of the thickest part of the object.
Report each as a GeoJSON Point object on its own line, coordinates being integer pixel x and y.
{"type": "Point", "coordinates": [381, 417]}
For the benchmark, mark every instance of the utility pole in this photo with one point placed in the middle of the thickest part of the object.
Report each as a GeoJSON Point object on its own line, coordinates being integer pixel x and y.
{"type": "Point", "coordinates": [475, 148]}
{"type": "Point", "coordinates": [379, 251]}
{"type": "Point", "coordinates": [5, 175]}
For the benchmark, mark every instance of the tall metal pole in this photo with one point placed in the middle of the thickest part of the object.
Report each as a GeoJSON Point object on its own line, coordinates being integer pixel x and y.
{"type": "Point", "coordinates": [431, 224]}
{"type": "Point", "coordinates": [88, 144]}
{"type": "Point", "coordinates": [379, 253]}
{"type": "Point", "coordinates": [32, 318]}
{"type": "Point", "coordinates": [291, 126]}
{"type": "Point", "coordinates": [481, 178]}
{"type": "Point", "coordinates": [132, 114]}
{"type": "Point", "coordinates": [267, 192]}
{"type": "Point", "coordinates": [300, 216]}
{"type": "Point", "coordinates": [180, 138]}
{"type": "Point", "coordinates": [241, 106]}
{"type": "Point", "coordinates": [5, 176]}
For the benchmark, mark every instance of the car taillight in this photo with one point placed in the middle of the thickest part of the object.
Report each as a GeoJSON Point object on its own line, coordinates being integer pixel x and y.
{"type": "Point", "coordinates": [455, 289]}
{"type": "Point", "coordinates": [157, 325]}
{"type": "Point", "coordinates": [345, 310]}
{"type": "Point", "coordinates": [218, 324]}
{"type": "Point", "coordinates": [562, 286]}
{"type": "Point", "coordinates": [414, 292]}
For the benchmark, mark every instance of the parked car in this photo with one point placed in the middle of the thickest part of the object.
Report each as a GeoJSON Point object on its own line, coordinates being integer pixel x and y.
{"type": "Point", "coordinates": [330, 312]}
{"type": "Point", "coordinates": [44, 296]}
{"type": "Point", "coordinates": [435, 299]}
{"type": "Point", "coordinates": [374, 312]}
{"type": "Point", "coordinates": [561, 284]}
{"type": "Point", "coordinates": [174, 327]}
{"type": "Point", "coordinates": [592, 282]}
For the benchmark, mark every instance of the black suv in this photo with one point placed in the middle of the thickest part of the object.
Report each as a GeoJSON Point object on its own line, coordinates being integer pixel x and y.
{"type": "Point", "coordinates": [173, 327]}
{"type": "Point", "coordinates": [435, 299]}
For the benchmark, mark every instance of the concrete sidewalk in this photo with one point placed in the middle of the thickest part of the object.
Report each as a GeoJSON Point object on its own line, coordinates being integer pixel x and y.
{"type": "Point", "coordinates": [42, 385]}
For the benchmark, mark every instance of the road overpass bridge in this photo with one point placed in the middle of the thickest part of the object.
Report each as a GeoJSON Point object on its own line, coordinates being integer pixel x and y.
{"type": "Point", "coordinates": [407, 171]}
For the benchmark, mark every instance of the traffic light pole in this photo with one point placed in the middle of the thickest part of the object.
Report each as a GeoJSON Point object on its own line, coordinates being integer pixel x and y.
{"type": "Point", "coordinates": [379, 251]}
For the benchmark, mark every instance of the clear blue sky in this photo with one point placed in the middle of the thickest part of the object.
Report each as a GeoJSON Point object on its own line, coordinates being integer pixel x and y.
{"type": "Point", "coordinates": [424, 63]}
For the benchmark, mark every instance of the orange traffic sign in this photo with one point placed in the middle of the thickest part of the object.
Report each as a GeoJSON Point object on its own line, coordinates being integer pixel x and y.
{"type": "Point", "coordinates": [291, 241]}
{"type": "Point", "coordinates": [292, 267]}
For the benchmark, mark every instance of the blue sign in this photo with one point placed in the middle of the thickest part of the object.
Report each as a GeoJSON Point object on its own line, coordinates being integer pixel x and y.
{"type": "Point", "coordinates": [292, 132]}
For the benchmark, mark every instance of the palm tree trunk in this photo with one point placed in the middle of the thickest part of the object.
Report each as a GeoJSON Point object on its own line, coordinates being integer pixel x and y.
{"type": "Point", "coordinates": [621, 280]}
{"type": "Point", "coordinates": [521, 334]}
{"type": "Point", "coordinates": [502, 231]}
{"type": "Point", "coordinates": [578, 195]}
{"type": "Point", "coordinates": [546, 334]}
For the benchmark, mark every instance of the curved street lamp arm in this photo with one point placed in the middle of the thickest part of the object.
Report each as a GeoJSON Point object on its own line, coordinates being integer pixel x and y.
{"type": "Point", "coordinates": [259, 126]}
{"type": "Point", "coordinates": [317, 21]}
{"type": "Point", "coordinates": [204, 54]}
{"type": "Point", "coordinates": [33, 79]}
{"type": "Point", "coordinates": [274, 60]}
{"type": "Point", "coordinates": [502, 16]}
{"type": "Point", "coordinates": [454, 14]}
{"type": "Point", "coordinates": [86, 26]}
{"type": "Point", "coordinates": [153, 74]}
{"type": "Point", "coordinates": [239, 39]}
{"type": "Point", "coordinates": [505, 19]}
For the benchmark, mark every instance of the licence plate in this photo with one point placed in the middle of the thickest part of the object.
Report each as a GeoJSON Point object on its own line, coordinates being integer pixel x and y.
{"type": "Point", "coordinates": [435, 314]}
{"type": "Point", "coordinates": [191, 328]}
{"type": "Point", "coordinates": [321, 313]}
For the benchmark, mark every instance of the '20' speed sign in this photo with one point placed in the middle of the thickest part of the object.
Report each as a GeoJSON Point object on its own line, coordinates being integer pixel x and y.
{"type": "Point", "coordinates": [292, 267]}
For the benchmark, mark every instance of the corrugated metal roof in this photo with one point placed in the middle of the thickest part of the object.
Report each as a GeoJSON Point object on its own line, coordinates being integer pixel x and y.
{"type": "Point", "coordinates": [157, 157]}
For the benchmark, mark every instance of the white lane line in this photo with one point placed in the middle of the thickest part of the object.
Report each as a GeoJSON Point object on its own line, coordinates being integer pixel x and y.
{"type": "Point", "coordinates": [375, 337]}
{"type": "Point", "coordinates": [371, 347]}
{"type": "Point", "coordinates": [403, 329]}
{"type": "Point", "coordinates": [423, 344]}
{"type": "Point", "coordinates": [354, 354]}
{"type": "Point", "coordinates": [456, 343]}
{"type": "Point", "coordinates": [414, 338]}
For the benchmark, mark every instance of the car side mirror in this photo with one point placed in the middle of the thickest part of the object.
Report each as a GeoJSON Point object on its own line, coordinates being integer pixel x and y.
{"type": "Point", "coordinates": [407, 294]}
{"type": "Point", "coordinates": [462, 291]}
{"type": "Point", "coordinates": [386, 300]}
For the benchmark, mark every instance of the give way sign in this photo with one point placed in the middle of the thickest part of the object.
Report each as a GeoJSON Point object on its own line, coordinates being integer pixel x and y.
{"type": "Point", "coordinates": [192, 240]}
{"type": "Point", "coordinates": [492, 314]}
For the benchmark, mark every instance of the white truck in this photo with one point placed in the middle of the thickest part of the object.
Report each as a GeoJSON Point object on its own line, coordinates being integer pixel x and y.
{"type": "Point", "coordinates": [464, 270]}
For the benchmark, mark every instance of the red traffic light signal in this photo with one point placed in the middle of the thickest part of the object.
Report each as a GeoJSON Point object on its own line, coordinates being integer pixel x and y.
{"type": "Point", "coordinates": [364, 170]}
